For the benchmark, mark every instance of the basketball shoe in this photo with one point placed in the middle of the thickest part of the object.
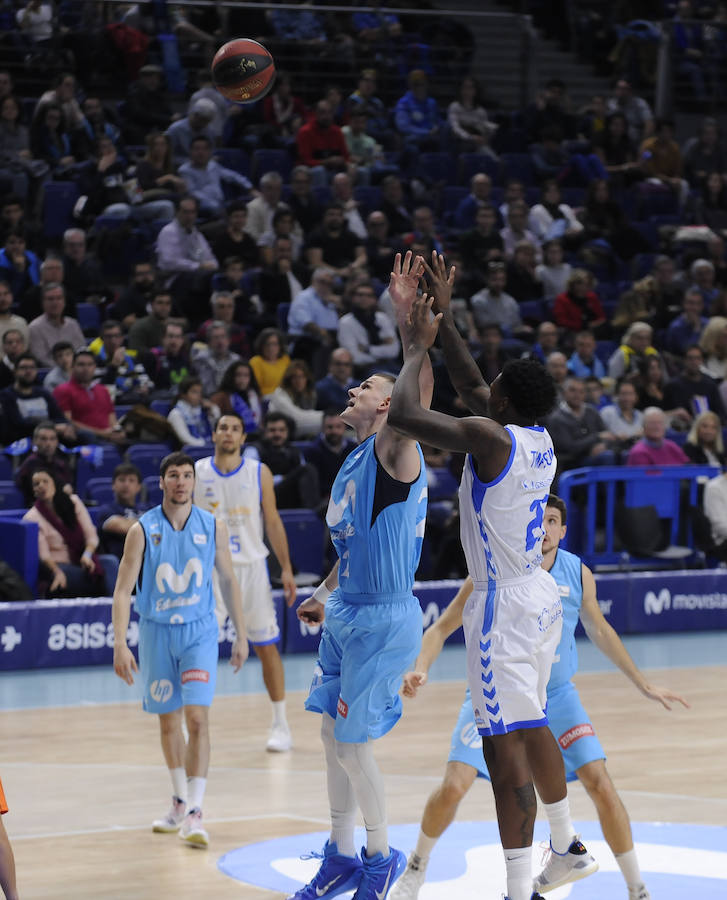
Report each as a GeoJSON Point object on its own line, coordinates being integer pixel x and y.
{"type": "Point", "coordinates": [410, 883]}
{"type": "Point", "coordinates": [280, 740]}
{"type": "Point", "coordinates": [639, 893]}
{"type": "Point", "coordinates": [562, 868]}
{"type": "Point", "coordinates": [378, 874]}
{"type": "Point", "coordinates": [336, 874]}
{"type": "Point", "coordinates": [173, 819]}
{"type": "Point", "coordinates": [192, 832]}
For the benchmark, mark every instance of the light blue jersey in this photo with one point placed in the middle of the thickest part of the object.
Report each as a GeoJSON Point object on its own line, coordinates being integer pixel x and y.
{"type": "Point", "coordinates": [566, 571]}
{"type": "Point", "coordinates": [175, 580]}
{"type": "Point", "coordinates": [377, 525]}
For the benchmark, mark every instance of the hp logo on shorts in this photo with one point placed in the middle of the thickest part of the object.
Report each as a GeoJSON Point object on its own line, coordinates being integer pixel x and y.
{"type": "Point", "coordinates": [161, 690]}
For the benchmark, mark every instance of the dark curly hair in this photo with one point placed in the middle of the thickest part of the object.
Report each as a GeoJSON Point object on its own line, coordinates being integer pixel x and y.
{"type": "Point", "coordinates": [529, 387]}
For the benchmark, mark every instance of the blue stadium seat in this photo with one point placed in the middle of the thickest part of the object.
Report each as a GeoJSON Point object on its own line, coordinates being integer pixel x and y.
{"type": "Point", "coordinates": [437, 167]}
{"type": "Point", "coordinates": [6, 468]}
{"type": "Point", "coordinates": [19, 542]}
{"type": "Point", "coordinates": [160, 406]}
{"type": "Point", "coordinates": [152, 489]}
{"type": "Point", "coordinates": [473, 163]}
{"type": "Point", "coordinates": [281, 312]}
{"type": "Point", "coordinates": [59, 198]}
{"type": "Point", "coordinates": [368, 198]}
{"type": "Point", "coordinates": [235, 159]}
{"type": "Point", "coordinates": [86, 470]}
{"type": "Point", "coordinates": [199, 452]}
{"type": "Point", "coordinates": [89, 318]}
{"type": "Point", "coordinates": [99, 490]}
{"type": "Point", "coordinates": [122, 408]}
{"type": "Point", "coordinates": [147, 457]}
{"type": "Point", "coordinates": [653, 200]}
{"type": "Point", "coordinates": [267, 160]}
{"type": "Point", "coordinates": [518, 165]}
{"type": "Point", "coordinates": [305, 538]}
{"type": "Point", "coordinates": [11, 497]}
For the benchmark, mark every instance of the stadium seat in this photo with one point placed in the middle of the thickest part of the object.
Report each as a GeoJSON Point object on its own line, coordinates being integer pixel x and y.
{"type": "Point", "coordinates": [199, 452]}
{"type": "Point", "coordinates": [19, 542]}
{"type": "Point", "coordinates": [518, 165]}
{"type": "Point", "coordinates": [368, 198]}
{"type": "Point", "coordinates": [147, 457]}
{"type": "Point", "coordinates": [235, 159]}
{"type": "Point", "coordinates": [305, 538]}
{"type": "Point", "coordinates": [436, 167]}
{"type": "Point", "coordinates": [160, 406]}
{"type": "Point", "coordinates": [59, 198]}
{"type": "Point", "coordinates": [89, 318]}
{"type": "Point", "coordinates": [99, 490]}
{"type": "Point", "coordinates": [267, 160]}
{"type": "Point", "coordinates": [11, 497]}
{"type": "Point", "coordinates": [532, 310]}
{"type": "Point", "coordinates": [473, 163]}
{"type": "Point", "coordinates": [6, 468]}
{"type": "Point", "coordinates": [86, 469]}
{"type": "Point", "coordinates": [282, 314]}
{"type": "Point", "coordinates": [152, 490]}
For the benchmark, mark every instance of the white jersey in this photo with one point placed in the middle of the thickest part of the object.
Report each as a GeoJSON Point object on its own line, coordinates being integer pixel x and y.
{"type": "Point", "coordinates": [501, 522]}
{"type": "Point", "coordinates": [236, 498]}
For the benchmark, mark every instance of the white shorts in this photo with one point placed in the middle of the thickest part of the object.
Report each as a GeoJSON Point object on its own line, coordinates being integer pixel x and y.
{"type": "Point", "coordinates": [511, 633]}
{"type": "Point", "coordinates": [257, 602]}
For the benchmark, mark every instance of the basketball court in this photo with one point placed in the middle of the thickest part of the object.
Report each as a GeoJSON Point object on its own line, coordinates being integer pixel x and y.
{"type": "Point", "coordinates": [84, 777]}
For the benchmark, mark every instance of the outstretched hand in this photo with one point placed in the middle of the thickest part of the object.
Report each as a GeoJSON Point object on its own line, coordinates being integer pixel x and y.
{"type": "Point", "coordinates": [404, 282]}
{"type": "Point", "coordinates": [420, 325]}
{"type": "Point", "coordinates": [440, 282]}
{"type": "Point", "coordinates": [666, 698]}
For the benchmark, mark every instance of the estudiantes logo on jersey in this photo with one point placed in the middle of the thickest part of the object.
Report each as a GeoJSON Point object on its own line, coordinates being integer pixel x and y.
{"type": "Point", "coordinates": [677, 861]}
{"type": "Point", "coordinates": [167, 580]}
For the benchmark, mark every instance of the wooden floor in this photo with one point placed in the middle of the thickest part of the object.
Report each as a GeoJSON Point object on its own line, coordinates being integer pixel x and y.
{"type": "Point", "coordinates": [84, 783]}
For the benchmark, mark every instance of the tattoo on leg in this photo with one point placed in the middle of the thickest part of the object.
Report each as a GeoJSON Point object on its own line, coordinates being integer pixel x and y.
{"type": "Point", "coordinates": [527, 803]}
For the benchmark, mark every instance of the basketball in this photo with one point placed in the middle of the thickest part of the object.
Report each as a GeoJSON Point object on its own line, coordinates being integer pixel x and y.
{"type": "Point", "coordinates": [243, 71]}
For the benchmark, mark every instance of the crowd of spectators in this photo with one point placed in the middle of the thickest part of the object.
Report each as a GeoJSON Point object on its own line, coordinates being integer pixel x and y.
{"type": "Point", "coordinates": [594, 243]}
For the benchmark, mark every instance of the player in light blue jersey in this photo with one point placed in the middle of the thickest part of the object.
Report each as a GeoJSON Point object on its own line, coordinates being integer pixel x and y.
{"type": "Point", "coordinates": [567, 719]}
{"type": "Point", "coordinates": [510, 643]}
{"type": "Point", "coordinates": [170, 555]}
{"type": "Point", "coordinates": [372, 621]}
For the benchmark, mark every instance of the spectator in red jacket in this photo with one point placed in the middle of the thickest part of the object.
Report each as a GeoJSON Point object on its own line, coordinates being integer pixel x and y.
{"type": "Point", "coordinates": [322, 145]}
{"type": "Point", "coordinates": [578, 307]}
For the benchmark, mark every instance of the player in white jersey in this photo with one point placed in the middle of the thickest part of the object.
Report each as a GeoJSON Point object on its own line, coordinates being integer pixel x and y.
{"type": "Point", "coordinates": [513, 618]}
{"type": "Point", "coordinates": [568, 720]}
{"type": "Point", "coordinates": [240, 492]}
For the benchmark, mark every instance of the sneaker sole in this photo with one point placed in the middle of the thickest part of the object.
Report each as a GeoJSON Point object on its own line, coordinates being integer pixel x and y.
{"type": "Point", "coordinates": [273, 749]}
{"type": "Point", "coordinates": [573, 875]}
{"type": "Point", "coordinates": [165, 829]}
{"type": "Point", "coordinates": [196, 840]}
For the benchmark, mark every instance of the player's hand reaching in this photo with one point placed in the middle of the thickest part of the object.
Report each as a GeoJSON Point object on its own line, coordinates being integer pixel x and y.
{"type": "Point", "coordinates": [239, 653]}
{"type": "Point", "coordinates": [124, 663]}
{"type": "Point", "coordinates": [422, 328]}
{"type": "Point", "coordinates": [289, 586]}
{"type": "Point", "coordinates": [440, 283]}
{"type": "Point", "coordinates": [412, 682]}
{"type": "Point", "coordinates": [404, 282]}
{"type": "Point", "coordinates": [311, 611]}
{"type": "Point", "coordinates": [666, 698]}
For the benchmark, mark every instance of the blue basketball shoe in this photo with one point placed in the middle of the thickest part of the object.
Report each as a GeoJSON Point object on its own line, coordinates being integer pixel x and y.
{"type": "Point", "coordinates": [378, 874]}
{"type": "Point", "coordinates": [335, 875]}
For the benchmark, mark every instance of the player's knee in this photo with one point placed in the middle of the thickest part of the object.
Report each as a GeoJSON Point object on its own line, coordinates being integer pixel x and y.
{"type": "Point", "coordinates": [597, 782]}
{"type": "Point", "coordinates": [348, 757]}
{"type": "Point", "coordinates": [196, 721]}
{"type": "Point", "coordinates": [453, 788]}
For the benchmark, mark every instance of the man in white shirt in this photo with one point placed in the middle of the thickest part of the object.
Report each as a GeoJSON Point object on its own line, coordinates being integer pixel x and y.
{"type": "Point", "coordinates": [492, 304]}
{"type": "Point", "coordinates": [53, 326]}
{"type": "Point", "coordinates": [205, 177]}
{"type": "Point", "coordinates": [9, 320]}
{"type": "Point", "coordinates": [368, 334]}
{"type": "Point", "coordinates": [260, 210]}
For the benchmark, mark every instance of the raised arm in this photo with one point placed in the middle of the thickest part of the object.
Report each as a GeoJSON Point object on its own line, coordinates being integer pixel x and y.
{"type": "Point", "coordinates": [230, 591]}
{"type": "Point", "coordinates": [434, 638]}
{"type": "Point", "coordinates": [129, 568]}
{"type": "Point", "coordinates": [466, 377]}
{"type": "Point", "coordinates": [407, 414]}
{"type": "Point", "coordinates": [403, 287]}
{"type": "Point", "coordinates": [609, 643]}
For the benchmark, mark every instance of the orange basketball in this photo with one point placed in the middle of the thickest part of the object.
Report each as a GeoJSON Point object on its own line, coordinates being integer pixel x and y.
{"type": "Point", "coordinates": [243, 71]}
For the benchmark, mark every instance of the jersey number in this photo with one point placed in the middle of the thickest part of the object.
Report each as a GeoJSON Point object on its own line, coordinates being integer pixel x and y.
{"type": "Point", "coordinates": [534, 531]}
{"type": "Point", "coordinates": [235, 541]}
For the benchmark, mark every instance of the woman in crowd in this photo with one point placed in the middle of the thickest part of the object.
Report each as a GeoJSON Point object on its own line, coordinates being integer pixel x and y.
{"type": "Point", "coordinates": [156, 172]}
{"type": "Point", "coordinates": [51, 141]}
{"type": "Point", "coordinates": [714, 347]}
{"type": "Point", "coordinates": [710, 208]}
{"type": "Point", "coordinates": [578, 308]}
{"type": "Point", "coordinates": [551, 218]}
{"type": "Point", "coordinates": [468, 120]}
{"type": "Point", "coordinates": [553, 273]}
{"type": "Point", "coordinates": [239, 393]}
{"type": "Point", "coordinates": [193, 417]}
{"type": "Point", "coordinates": [67, 541]}
{"type": "Point", "coordinates": [296, 398]}
{"type": "Point", "coordinates": [704, 444]}
{"type": "Point", "coordinates": [270, 360]}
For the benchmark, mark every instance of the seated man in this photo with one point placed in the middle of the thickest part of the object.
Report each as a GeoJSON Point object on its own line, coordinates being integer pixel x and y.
{"type": "Point", "coordinates": [368, 334]}
{"type": "Point", "coordinates": [147, 332]}
{"type": "Point", "coordinates": [295, 481]}
{"type": "Point", "coordinates": [46, 455]}
{"type": "Point", "coordinates": [206, 178]}
{"type": "Point", "coordinates": [121, 372]}
{"type": "Point", "coordinates": [87, 405]}
{"type": "Point", "coordinates": [62, 364]}
{"type": "Point", "coordinates": [168, 364]}
{"type": "Point", "coordinates": [13, 345]}
{"type": "Point", "coordinates": [116, 518]}
{"type": "Point", "coordinates": [53, 326]}
{"type": "Point", "coordinates": [213, 359]}
{"type": "Point", "coordinates": [332, 390]}
{"type": "Point", "coordinates": [579, 436]}
{"type": "Point", "coordinates": [24, 405]}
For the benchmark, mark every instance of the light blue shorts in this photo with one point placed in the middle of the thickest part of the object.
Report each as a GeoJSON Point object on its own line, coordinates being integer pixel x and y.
{"type": "Point", "coordinates": [567, 720]}
{"type": "Point", "coordinates": [178, 663]}
{"type": "Point", "coordinates": [365, 650]}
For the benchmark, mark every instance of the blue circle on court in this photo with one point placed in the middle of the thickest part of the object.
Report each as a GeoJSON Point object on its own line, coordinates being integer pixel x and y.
{"type": "Point", "coordinates": [467, 862]}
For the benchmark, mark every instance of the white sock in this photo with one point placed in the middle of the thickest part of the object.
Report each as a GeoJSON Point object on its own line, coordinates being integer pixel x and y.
{"type": "Point", "coordinates": [279, 713]}
{"type": "Point", "coordinates": [179, 783]}
{"type": "Point", "coordinates": [629, 865]}
{"type": "Point", "coordinates": [368, 786]}
{"type": "Point", "coordinates": [562, 831]}
{"type": "Point", "coordinates": [195, 788]}
{"type": "Point", "coordinates": [341, 798]}
{"type": "Point", "coordinates": [423, 850]}
{"type": "Point", "coordinates": [518, 863]}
